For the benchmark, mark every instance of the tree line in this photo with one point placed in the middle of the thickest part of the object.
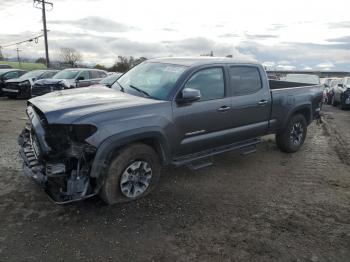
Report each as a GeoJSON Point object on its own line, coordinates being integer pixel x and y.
{"type": "Point", "coordinates": [70, 57]}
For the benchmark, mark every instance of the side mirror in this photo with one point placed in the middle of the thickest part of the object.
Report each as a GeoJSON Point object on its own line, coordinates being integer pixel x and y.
{"type": "Point", "coordinates": [80, 78]}
{"type": "Point", "coordinates": [189, 95]}
{"type": "Point", "coordinates": [340, 85]}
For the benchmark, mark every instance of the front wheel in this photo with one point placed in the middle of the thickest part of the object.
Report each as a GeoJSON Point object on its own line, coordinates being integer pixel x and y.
{"type": "Point", "coordinates": [293, 137]}
{"type": "Point", "coordinates": [133, 173]}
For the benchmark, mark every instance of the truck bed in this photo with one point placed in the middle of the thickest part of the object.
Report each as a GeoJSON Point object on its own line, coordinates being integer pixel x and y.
{"type": "Point", "coordinates": [278, 84]}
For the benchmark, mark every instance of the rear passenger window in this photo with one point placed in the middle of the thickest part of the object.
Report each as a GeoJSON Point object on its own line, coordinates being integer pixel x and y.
{"type": "Point", "coordinates": [244, 80]}
{"type": "Point", "coordinates": [210, 82]}
{"type": "Point", "coordinates": [94, 74]}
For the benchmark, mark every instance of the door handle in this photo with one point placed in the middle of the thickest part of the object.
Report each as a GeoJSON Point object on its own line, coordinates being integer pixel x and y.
{"type": "Point", "coordinates": [262, 102]}
{"type": "Point", "coordinates": [224, 108]}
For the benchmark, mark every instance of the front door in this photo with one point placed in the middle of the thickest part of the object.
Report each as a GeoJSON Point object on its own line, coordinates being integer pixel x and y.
{"type": "Point", "coordinates": [201, 125]}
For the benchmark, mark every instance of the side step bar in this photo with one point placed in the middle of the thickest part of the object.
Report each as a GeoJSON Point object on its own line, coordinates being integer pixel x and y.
{"type": "Point", "coordinates": [245, 148]}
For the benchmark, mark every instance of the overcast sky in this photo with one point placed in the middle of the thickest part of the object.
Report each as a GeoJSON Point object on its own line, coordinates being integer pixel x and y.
{"type": "Point", "coordinates": [302, 34]}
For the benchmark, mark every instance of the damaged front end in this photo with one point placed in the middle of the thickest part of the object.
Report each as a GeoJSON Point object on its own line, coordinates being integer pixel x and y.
{"type": "Point", "coordinates": [58, 157]}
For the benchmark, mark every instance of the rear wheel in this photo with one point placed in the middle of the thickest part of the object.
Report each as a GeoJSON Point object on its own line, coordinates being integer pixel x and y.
{"type": "Point", "coordinates": [133, 173]}
{"type": "Point", "coordinates": [293, 137]}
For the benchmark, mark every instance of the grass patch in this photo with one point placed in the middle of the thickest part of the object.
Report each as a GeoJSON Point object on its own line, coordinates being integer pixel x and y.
{"type": "Point", "coordinates": [24, 66]}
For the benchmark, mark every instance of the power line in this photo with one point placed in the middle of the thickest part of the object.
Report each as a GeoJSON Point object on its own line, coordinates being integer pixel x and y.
{"type": "Point", "coordinates": [35, 39]}
{"type": "Point", "coordinates": [19, 61]}
{"type": "Point", "coordinates": [36, 4]}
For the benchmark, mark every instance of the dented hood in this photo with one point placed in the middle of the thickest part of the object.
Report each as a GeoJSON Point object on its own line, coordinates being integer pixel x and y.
{"type": "Point", "coordinates": [67, 106]}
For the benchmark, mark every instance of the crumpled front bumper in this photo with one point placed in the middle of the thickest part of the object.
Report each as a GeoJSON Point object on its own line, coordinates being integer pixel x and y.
{"type": "Point", "coordinates": [35, 167]}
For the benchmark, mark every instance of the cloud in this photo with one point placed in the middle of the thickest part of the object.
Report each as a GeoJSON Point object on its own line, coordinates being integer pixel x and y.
{"type": "Point", "coordinates": [169, 29]}
{"type": "Point", "coordinates": [285, 67]}
{"type": "Point", "coordinates": [97, 24]}
{"type": "Point", "coordinates": [275, 27]}
{"type": "Point", "coordinates": [344, 39]}
{"type": "Point", "coordinates": [260, 36]}
{"type": "Point", "coordinates": [299, 54]}
{"type": "Point", "coordinates": [341, 24]}
{"type": "Point", "coordinates": [229, 35]}
{"type": "Point", "coordinates": [325, 65]}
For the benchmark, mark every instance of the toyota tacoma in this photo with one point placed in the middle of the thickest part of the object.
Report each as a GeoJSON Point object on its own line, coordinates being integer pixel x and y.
{"type": "Point", "coordinates": [170, 111]}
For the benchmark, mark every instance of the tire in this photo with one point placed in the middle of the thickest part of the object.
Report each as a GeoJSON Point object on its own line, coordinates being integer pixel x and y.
{"type": "Point", "coordinates": [120, 174]}
{"type": "Point", "coordinates": [290, 140]}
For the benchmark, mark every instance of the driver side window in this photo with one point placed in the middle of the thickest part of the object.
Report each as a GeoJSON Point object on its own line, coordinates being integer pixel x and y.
{"type": "Point", "coordinates": [85, 74]}
{"type": "Point", "coordinates": [210, 82]}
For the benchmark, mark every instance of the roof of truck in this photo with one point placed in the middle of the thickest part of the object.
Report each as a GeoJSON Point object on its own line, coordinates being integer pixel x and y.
{"type": "Point", "coordinates": [203, 60]}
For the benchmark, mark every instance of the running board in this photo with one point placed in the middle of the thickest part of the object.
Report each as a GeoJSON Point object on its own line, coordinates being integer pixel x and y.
{"type": "Point", "coordinates": [245, 148]}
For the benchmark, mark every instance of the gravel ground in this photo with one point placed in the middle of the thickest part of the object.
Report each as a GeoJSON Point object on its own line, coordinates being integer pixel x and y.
{"type": "Point", "coordinates": [267, 206]}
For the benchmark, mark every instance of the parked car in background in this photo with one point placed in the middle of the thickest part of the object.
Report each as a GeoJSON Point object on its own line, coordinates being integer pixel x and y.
{"type": "Point", "coordinates": [341, 94]}
{"type": "Point", "coordinates": [179, 111]}
{"type": "Point", "coordinates": [4, 66]}
{"type": "Point", "coordinates": [22, 86]}
{"type": "Point", "coordinates": [6, 74]}
{"type": "Point", "coordinates": [67, 79]}
{"type": "Point", "coordinates": [302, 78]}
{"type": "Point", "coordinates": [332, 86]}
{"type": "Point", "coordinates": [110, 79]}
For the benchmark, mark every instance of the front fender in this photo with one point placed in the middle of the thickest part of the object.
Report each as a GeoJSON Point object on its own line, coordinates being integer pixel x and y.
{"type": "Point", "coordinates": [112, 143]}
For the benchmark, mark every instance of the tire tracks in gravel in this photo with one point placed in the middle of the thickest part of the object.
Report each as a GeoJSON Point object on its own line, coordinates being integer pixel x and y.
{"type": "Point", "coordinates": [337, 142]}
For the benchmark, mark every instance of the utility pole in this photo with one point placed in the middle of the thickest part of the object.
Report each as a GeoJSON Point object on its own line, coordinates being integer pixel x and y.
{"type": "Point", "coordinates": [43, 3]}
{"type": "Point", "coordinates": [19, 60]}
{"type": "Point", "coordinates": [1, 56]}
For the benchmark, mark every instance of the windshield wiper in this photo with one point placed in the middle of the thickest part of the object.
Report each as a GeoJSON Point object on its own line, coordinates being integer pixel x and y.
{"type": "Point", "coordinates": [140, 91]}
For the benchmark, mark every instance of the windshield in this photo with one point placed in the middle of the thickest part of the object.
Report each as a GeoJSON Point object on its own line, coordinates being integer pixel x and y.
{"type": "Point", "coordinates": [32, 74]}
{"type": "Point", "coordinates": [66, 74]}
{"type": "Point", "coordinates": [303, 78]}
{"type": "Point", "coordinates": [153, 79]}
{"type": "Point", "coordinates": [109, 80]}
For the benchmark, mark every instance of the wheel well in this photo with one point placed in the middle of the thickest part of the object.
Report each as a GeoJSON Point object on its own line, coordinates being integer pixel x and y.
{"type": "Point", "coordinates": [156, 145]}
{"type": "Point", "coordinates": [305, 112]}
{"type": "Point", "coordinates": [152, 142]}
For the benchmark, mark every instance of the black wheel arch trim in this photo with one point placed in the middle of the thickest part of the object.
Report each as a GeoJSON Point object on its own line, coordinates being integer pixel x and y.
{"type": "Point", "coordinates": [305, 107]}
{"type": "Point", "coordinates": [112, 143]}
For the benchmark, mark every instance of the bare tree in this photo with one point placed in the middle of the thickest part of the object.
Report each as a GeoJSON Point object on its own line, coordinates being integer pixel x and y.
{"type": "Point", "coordinates": [70, 56]}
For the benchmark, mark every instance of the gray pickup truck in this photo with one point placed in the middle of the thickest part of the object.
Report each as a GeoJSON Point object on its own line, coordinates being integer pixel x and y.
{"type": "Point", "coordinates": [175, 111]}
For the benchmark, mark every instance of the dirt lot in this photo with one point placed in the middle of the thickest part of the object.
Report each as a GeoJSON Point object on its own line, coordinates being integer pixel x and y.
{"type": "Point", "coordinates": [268, 206]}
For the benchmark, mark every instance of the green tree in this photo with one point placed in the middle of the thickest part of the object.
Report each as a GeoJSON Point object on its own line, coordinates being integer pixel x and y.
{"type": "Point", "coordinates": [101, 67]}
{"type": "Point", "coordinates": [123, 63]}
{"type": "Point", "coordinates": [41, 60]}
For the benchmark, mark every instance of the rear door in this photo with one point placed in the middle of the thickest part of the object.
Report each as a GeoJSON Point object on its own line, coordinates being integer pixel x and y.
{"type": "Point", "coordinates": [202, 124]}
{"type": "Point", "coordinates": [96, 76]}
{"type": "Point", "coordinates": [251, 101]}
{"type": "Point", "coordinates": [86, 79]}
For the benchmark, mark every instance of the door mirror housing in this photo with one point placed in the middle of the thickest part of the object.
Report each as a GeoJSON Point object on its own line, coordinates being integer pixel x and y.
{"type": "Point", "coordinates": [80, 78]}
{"type": "Point", "coordinates": [189, 95]}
